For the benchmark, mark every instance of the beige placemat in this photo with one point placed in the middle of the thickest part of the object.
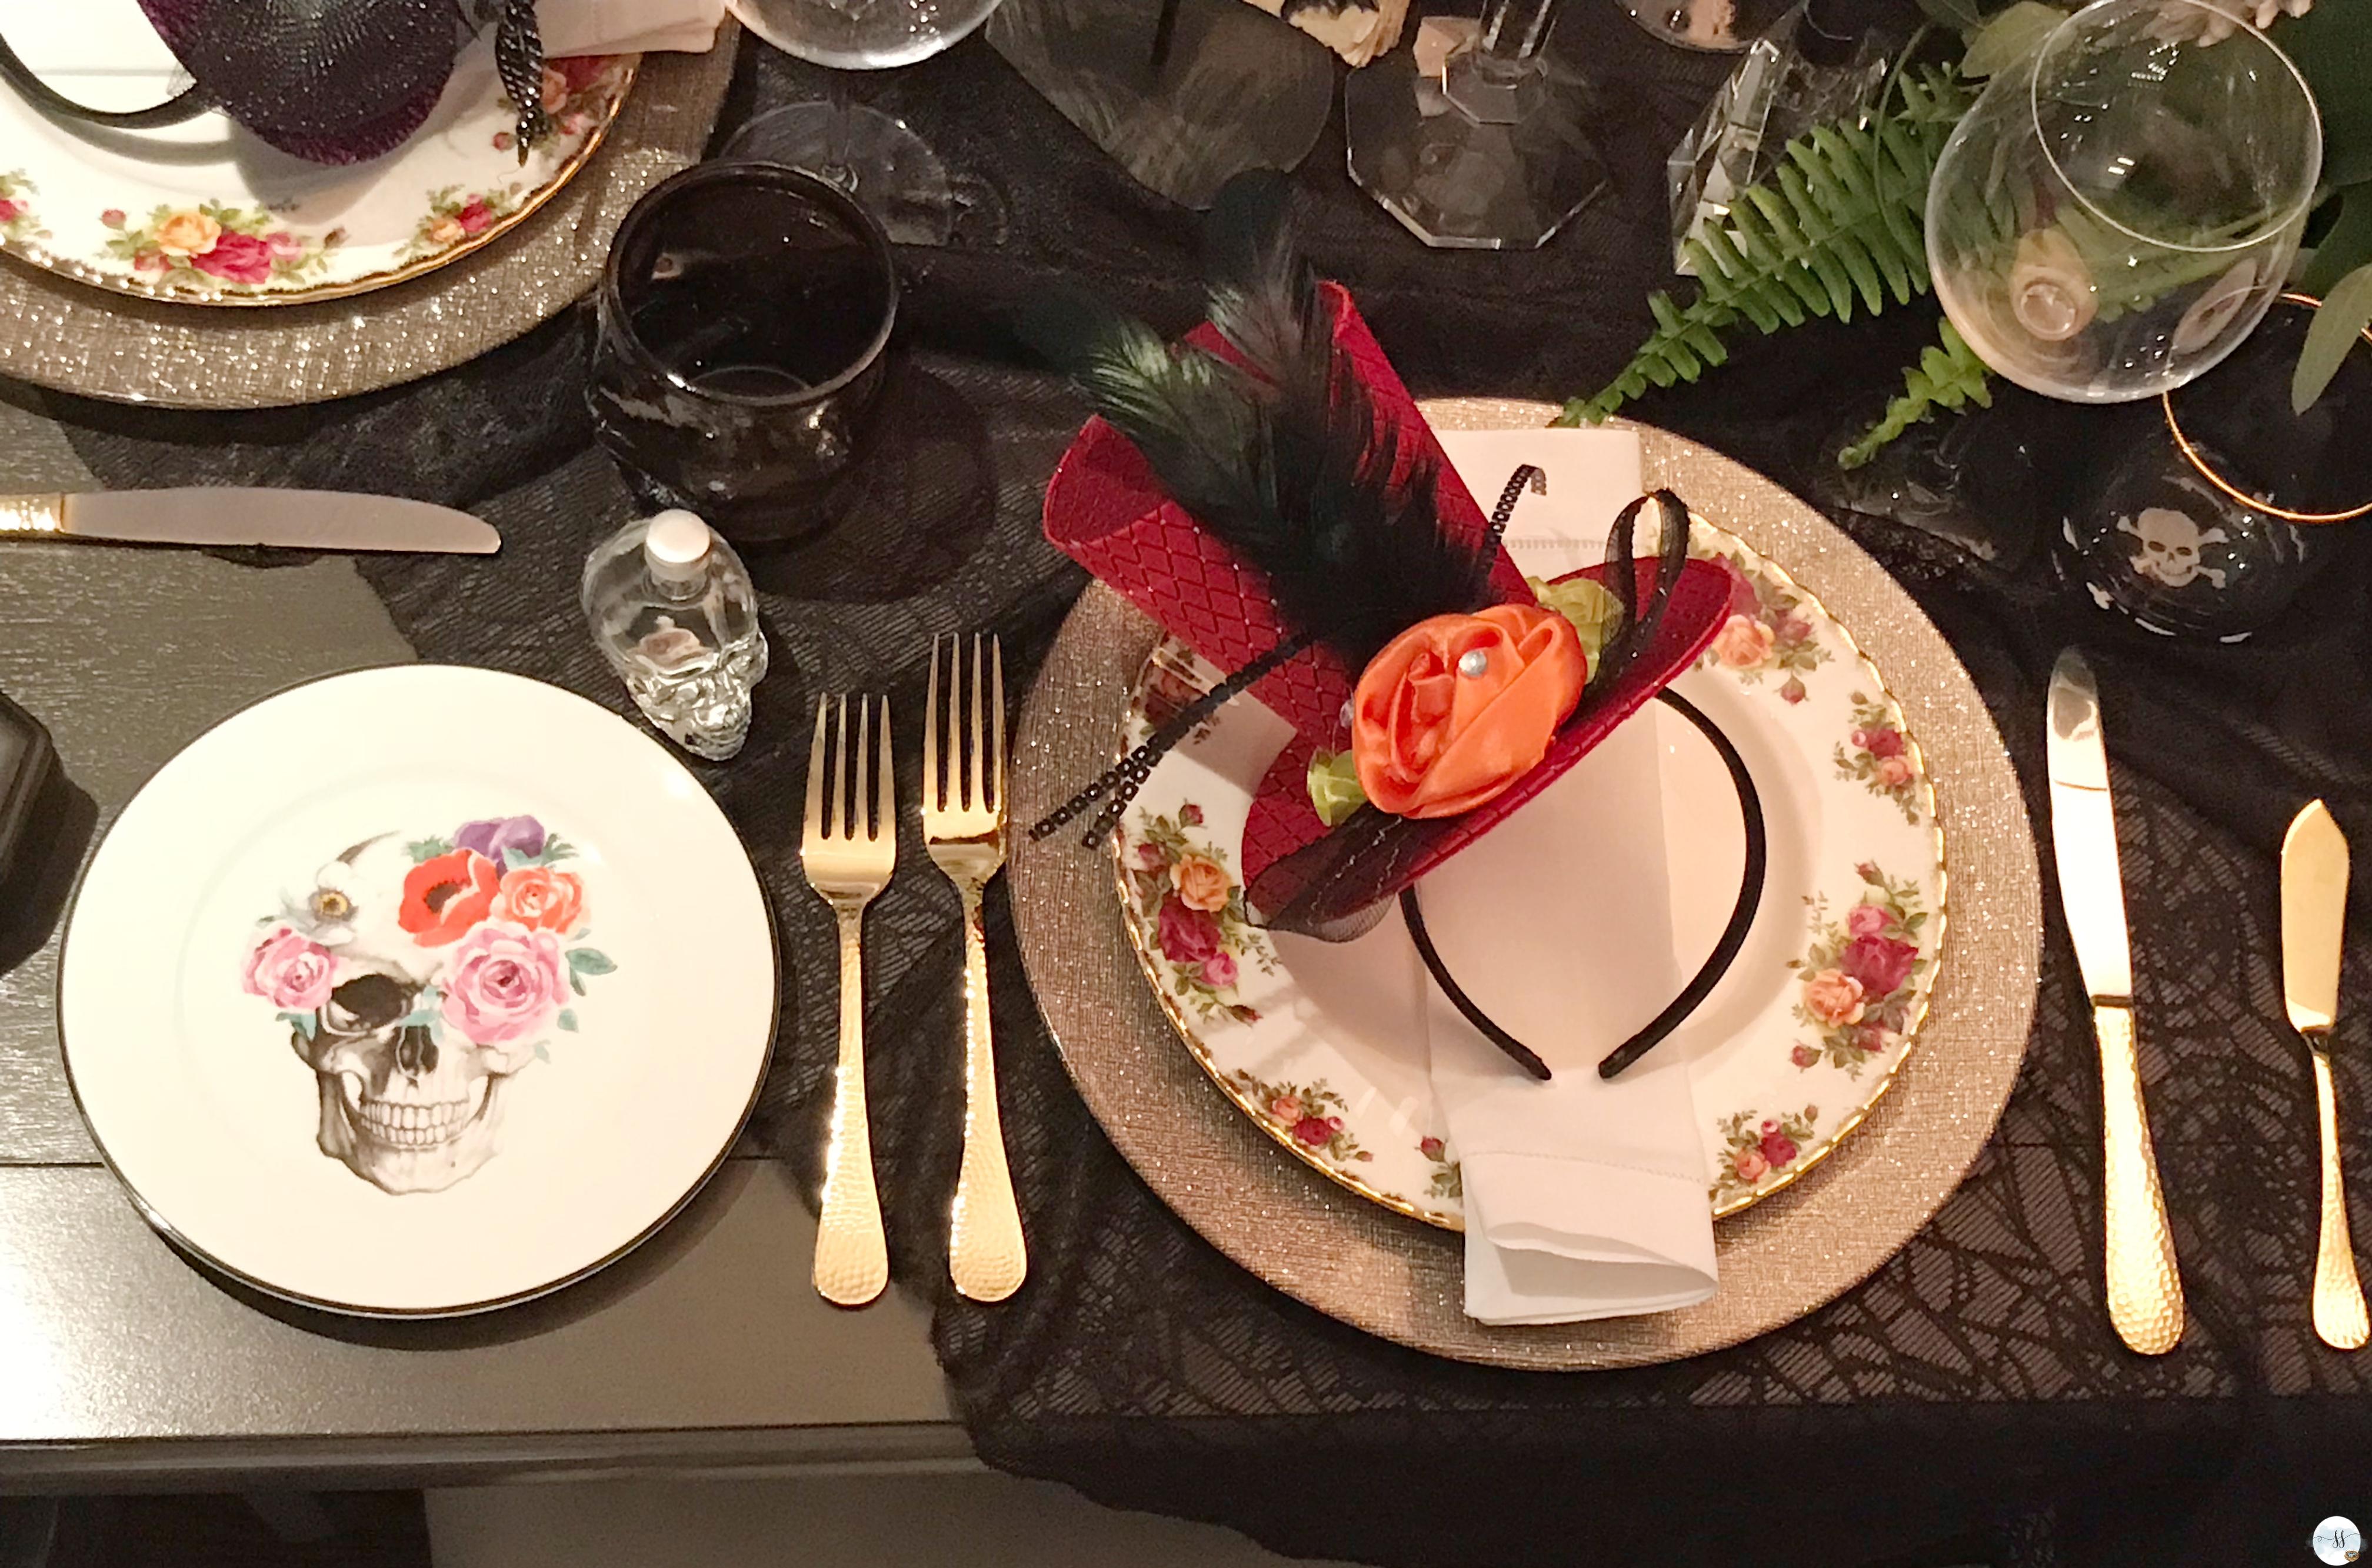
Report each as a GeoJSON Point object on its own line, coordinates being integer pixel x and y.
{"type": "Point", "coordinates": [1403, 1280]}
{"type": "Point", "coordinates": [67, 335]}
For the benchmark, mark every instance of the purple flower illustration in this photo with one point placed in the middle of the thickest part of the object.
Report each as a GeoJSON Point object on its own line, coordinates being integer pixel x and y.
{"type": "Point", "coordinates": [519, 837]}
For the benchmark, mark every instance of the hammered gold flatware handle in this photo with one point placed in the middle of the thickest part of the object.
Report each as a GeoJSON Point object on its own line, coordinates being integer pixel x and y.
{"type": "Point", "coordinates": [852, 1255]}
{"type": "Point", "coordinates": [2339, 1313]}
{"type": "Point", "coordinates": [22, 516]}
{"type": "Point", "coordinates": [2144, 1289]}
{"type": "Point", "coordinates": [986, 1256]}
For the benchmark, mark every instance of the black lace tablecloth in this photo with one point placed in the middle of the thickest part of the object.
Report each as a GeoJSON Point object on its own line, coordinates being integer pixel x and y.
{"type": "Point", "coordinates": [1969, 1403]}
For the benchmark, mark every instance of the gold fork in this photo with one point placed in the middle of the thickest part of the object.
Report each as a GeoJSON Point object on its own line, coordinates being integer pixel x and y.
{"type": "Point", "coordinates": [848, 859]}
{"type": "Point", "coordinates": [963, 825]}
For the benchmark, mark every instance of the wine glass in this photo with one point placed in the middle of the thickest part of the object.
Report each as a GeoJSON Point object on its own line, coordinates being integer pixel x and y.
{"type": "Point", "coordinates": [876, 158]}
{"type": "Point", "coordinates": [2115, 214]}
{"type": "Point", "coordinates": [1492, 153]}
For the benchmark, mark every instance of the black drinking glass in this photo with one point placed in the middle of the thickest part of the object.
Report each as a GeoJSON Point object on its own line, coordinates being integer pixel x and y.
{"type": "Point", "coordinates": [744, 328]}
{"type": "Point", "coordinates": [2211, 508]}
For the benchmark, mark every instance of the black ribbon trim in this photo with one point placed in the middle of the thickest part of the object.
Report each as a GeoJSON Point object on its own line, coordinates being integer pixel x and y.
{"type": "Point", "coordinates": [1692, 996]}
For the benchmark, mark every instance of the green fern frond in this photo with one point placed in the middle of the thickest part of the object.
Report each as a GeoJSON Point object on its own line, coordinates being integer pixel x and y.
{"type": "Point", "coordinates": [1839, 224]}
{"type": "Point", "coordinates": [1948, 376]}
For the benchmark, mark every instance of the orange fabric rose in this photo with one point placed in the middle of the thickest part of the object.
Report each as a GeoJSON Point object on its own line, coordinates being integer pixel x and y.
{"type": "Point", "coordinates": [1430, 740]}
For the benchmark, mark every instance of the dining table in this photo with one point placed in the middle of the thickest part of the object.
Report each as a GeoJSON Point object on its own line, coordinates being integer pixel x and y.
{"type": "Point", "coordinates": [1968, 1403]}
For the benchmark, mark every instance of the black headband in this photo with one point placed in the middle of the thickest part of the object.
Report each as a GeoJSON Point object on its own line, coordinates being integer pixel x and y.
{"type": "Point", "coordinates": [1692, 996]}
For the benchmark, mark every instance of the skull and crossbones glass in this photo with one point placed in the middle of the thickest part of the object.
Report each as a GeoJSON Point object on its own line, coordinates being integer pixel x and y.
{"type": "Point", "coordinates": [2216, 503]}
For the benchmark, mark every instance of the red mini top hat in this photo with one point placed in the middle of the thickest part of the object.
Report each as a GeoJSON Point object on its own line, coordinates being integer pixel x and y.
{"type": "Point", "coordinates": [1110, 509]}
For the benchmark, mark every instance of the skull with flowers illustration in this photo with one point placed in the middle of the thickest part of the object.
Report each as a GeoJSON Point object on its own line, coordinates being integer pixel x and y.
{"type": "Point", "coordinates": [417, 978]}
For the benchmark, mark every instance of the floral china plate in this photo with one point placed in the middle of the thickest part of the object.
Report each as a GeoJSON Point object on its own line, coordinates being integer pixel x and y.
{"type": "Point", "coordinates": [390, 1025]}
{"type": "Point", "coordinates": [1324, 1045]}
{"type": "Point", "coordinates": [205, 213]}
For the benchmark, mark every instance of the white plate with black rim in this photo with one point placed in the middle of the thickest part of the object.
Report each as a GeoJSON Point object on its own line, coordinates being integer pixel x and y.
{"type": "Point", "coordinates": [417, 990]}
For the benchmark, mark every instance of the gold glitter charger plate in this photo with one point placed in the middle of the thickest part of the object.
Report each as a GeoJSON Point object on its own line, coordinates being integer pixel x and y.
{"type": "Point", "coordinates": [77, 337]}
{"type": "Point", "coordinates": [1403, 1280]}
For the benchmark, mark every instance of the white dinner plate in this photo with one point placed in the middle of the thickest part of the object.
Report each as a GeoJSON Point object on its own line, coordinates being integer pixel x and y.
{"type": "Point", "coordinates": [205, 213]}
{"type": "Point", "coordinates": [1323, 1045]}
{"type": "Point", "coordinates": [417, 990]}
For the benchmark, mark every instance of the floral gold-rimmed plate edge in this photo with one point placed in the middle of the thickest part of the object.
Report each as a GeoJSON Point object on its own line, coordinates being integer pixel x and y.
{"type": "Point", "coordinates": [168, 230]}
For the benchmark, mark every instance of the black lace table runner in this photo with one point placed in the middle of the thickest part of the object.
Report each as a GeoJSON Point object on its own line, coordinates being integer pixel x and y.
{"type": "Point", "coordinates": [1968, 1403]}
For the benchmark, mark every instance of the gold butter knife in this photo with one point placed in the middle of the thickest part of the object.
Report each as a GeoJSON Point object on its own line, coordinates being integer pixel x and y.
{"type": "Point", "coordinates": [2144, 1289]}
{"type": "Point", "coordinates": [2314, 918]}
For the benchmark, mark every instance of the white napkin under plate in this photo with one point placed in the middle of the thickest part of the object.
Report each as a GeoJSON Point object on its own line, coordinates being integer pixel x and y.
{"type": "Point", "coordinates": [1583, 1199]}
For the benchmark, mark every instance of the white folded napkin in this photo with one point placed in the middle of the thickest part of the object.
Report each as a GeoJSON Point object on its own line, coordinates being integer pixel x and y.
{"type": "Point", "coordinates": [1583, 1199]}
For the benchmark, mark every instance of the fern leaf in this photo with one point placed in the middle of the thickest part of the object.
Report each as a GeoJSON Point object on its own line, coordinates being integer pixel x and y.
{"type": "Point", "coordinates": [1948, 376]}
{"type": "Point", "coordinates": [1838, 227]}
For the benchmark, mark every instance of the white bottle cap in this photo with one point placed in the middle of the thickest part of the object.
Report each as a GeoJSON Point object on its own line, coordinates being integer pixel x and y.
{"type": "Point", "coordinates": [675, 547]}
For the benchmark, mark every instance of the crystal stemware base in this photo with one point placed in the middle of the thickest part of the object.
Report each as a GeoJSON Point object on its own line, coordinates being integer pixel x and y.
{"type": "Point", "coordinates": [1490, 155]}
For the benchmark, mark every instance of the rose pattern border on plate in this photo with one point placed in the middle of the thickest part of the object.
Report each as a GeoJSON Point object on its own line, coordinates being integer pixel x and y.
{"type": "Point", "coordinates": [17, 220]}
{"type": "Point", "coordinates": [1194, 910]}
{"type": "Point", "coordinates": [1861, 974]}
{"type": "Point", "coordinates": [1881, 757]}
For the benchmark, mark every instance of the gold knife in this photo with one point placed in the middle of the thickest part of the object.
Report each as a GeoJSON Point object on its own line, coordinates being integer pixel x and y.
{"type": "Point", "coordinates": [2314, 918]}
{"type": "Point", "coordinates": [2144, 1289]}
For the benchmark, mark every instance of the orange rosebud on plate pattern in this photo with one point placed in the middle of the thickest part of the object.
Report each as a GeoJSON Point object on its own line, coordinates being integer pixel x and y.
{"type": "Point", "coordinates": [1459, 707]}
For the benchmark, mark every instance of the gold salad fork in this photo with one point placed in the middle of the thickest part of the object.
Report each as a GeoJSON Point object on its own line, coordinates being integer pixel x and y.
{"type": "Point", "coordinates": [963, 826]}
{"type": "Point", "coordinates": [848, 859]}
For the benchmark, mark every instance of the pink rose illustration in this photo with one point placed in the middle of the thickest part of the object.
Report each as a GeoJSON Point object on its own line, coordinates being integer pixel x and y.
{"type": "Point", "coordinates": [1743, 643]}
{"type": "Point", "coordinates": [1429, 1147]}
{"type": "Point", "coordinates": [1219, 971]}
{"type": "Point", "coordinates": [1312, 1132]}
{"type": "Point", "coordinates": [1880, 742]}
{"type": "Point", "coordinates": [1285, 1107]}
{"type": "Point", "coordinates": [1795, 629]}
{"type": "Point", "coordinates": [10, 209]}
{"type": "Point", "coordinates": [284, 243]}
{"type": "Point", "coordinates": [1792, 690]}
{"type": "Point", "coordinates": [1191, 814]}
{"type": "Point", "coordinates": [1881, 963]}
{"type": "Point", "coordinates": [504, 983]}
{"type": "Point", "coordinates": [1186, 936]}
{"type": "Point", "coordinates": [1875, 1038]}
{"type": "Point", "coordinates": [1865, 920]}
{"type": "Point", "coordinates": [474, 217]}
{"type": "Point", "coordinates": [1833, 998]}
{"type": "Point", "coordinates": [148, 261]}
{"type": "Point", "coordinates": [112, 217]}
{"type": "Point", "coordinates": [1804, 1056]}
{"type": "Point", "coordinates": [292, 971]}
{"type": "Point", "coordinates": [1149, 856]}
{"type": "Point", "coordinates": [237, 258]}
{"type": "Point", "coordinates": [1750, 1164]}
{"type": "Point", "coordinates": [1778, 1148]}
{"type": "Point", "coordinates": [1893, 771]}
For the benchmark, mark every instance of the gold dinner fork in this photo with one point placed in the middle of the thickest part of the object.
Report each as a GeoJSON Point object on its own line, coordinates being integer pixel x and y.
{"type": "Point", "coordinates": [963, 826]}
{"type": "Point", "coordinates": [848, 859]}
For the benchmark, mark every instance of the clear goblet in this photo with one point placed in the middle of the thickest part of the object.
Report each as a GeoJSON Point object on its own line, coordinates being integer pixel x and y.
{"type": "Point", "coordinates": [2115, 214]}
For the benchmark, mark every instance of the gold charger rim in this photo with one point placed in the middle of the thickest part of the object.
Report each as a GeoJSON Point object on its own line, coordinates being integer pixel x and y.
{"type": "Point", "coordinates": [1397, 1277]}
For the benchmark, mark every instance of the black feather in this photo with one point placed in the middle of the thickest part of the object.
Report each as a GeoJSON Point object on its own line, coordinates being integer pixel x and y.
{"type": "Point", "coordinates": [1280, 459]}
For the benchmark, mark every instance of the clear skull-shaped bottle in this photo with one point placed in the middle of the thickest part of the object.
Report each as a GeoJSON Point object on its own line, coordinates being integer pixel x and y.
{"type": "Point", "coordinates": [674, 613]}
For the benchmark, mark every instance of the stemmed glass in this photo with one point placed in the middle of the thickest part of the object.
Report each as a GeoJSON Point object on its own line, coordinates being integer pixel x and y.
{"type": "Point", "coordinates": [876, 158]}
{"type": "Point", "coordinates": [1491, 153]}
{"type": "Point", "coordinates": [1714, 26]}
{"type": "Point", "coordinates": [2114, 214]}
